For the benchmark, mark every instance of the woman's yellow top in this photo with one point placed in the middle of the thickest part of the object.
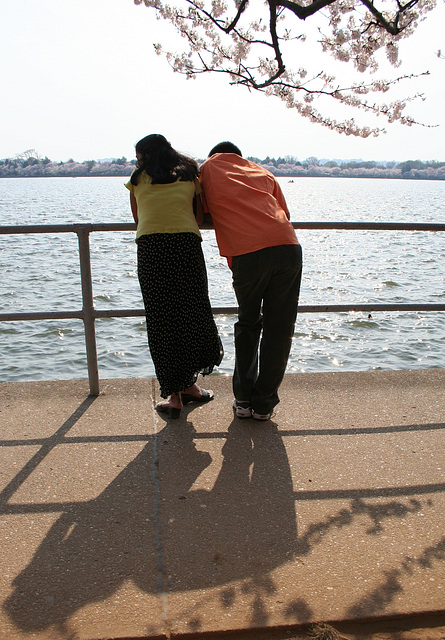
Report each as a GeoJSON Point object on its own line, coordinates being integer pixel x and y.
{"type": "Point", "coordinates": [165, 208]}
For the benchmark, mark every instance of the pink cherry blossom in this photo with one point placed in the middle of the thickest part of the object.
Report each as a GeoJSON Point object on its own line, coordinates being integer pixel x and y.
{"type": "Point", "coordinates": [253, 43]}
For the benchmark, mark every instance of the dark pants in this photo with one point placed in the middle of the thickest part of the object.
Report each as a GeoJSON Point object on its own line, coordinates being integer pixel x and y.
{"type": "Point", "coordinates": [270, 277]}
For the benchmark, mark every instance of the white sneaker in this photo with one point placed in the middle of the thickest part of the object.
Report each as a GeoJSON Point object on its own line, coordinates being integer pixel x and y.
{"type": "Point", "coordinates": [242, 409]}
{"type": "Point", "coordinates": [261, 416]}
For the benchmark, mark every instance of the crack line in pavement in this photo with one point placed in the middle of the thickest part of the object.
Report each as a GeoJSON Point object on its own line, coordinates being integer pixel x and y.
{"type": "Point", "coordinates": [154, 476]}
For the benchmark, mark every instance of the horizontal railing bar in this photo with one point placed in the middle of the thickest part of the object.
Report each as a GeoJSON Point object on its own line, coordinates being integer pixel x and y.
{"type": "Point", "coordinates": [42, 315]}
{"type": "Point", "coordinates": [370, 226]}
{"type": "Point", "coordinates": [131, 226]}
{"type": "Point", "coordinates": [317, 308]}
{"type": "Point", "coordinates": [128, 313]}
{"type": "Point", "coordinates": [67, 228]}
{"type": "Point", "coordinates": [339, 308]}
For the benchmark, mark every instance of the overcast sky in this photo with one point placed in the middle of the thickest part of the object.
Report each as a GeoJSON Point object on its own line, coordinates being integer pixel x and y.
{"type": "Point", "coordinates": [79, 79]}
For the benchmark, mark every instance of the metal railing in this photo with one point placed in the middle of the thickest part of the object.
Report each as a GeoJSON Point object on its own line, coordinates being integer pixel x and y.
{"type": "Point", "coordinates": [88, 313]}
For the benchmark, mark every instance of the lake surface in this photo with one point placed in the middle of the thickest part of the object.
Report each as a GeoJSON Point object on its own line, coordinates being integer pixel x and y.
{"type": "Point", "coordinates": [41, 272]}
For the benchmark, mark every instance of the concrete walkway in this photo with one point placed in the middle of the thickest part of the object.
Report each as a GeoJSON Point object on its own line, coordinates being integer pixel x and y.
{"type": "Point", "coordinates": [115, 523]}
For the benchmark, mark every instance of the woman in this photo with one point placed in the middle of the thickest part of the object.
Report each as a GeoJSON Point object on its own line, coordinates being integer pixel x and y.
{"type": "Point", "coordinates": [182, 335]}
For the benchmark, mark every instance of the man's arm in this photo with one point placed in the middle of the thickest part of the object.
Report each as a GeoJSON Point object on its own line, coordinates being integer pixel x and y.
{"type": "Point", "coordinates": [207, 222]}
{"type": "Point", "coordinates": [199, 214]}
{"type": "Point", "coordinates": [279, 196]}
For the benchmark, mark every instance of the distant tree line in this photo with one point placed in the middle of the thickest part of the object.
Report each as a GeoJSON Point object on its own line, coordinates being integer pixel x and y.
{"type": "Point", "coordinates": [30, 165]}
{"type": "Point", "coordinates": [313, 167]}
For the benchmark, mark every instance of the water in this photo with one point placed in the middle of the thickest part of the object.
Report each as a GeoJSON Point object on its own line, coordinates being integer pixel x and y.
{"type": "Point", "coordinates": [41, 272]}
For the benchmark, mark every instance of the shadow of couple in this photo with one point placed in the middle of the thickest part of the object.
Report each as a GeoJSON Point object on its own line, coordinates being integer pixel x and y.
{"type": "Point", "coordinates": [154, 526]}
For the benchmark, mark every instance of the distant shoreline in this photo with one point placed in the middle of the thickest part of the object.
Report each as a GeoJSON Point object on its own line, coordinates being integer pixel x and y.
{"type": "Point", "coordinates": [288, 167]}
{"type": "Point", "coordinates": [277, 174]}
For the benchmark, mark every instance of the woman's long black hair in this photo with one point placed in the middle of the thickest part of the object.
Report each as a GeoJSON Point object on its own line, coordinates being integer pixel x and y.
{"type": "Point", "coordinates": [162, 163]}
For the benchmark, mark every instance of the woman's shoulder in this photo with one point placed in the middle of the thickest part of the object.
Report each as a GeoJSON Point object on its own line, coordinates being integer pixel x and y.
{"type": "Point", "coordinates": [143, 180]}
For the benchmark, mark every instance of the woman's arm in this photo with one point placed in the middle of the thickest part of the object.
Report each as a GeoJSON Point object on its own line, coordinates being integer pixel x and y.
{"type": "Point", "coordinates": [134, 207]}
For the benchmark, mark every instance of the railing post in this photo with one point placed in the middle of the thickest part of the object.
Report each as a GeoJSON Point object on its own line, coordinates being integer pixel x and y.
{"type": "Point", "coordinates": [83, 235]}
{"type": "Point", "coordinates": [89, 314]}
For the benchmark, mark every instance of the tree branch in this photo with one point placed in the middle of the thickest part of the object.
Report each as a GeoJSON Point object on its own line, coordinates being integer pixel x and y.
{"type": "Point", "coordinates": [221, 43]}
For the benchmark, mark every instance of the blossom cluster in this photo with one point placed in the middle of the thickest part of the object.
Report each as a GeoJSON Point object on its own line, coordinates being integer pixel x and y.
{"type": "Point", "coordinates": [248, 42]}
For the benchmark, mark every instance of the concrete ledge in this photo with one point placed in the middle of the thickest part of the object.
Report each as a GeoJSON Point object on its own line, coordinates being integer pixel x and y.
{"type": "Point", "coordinates": [117, 523]}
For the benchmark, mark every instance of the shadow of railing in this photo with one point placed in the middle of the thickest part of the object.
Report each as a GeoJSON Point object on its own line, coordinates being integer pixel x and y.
{"type": "Point", "coordinates": [233, 535]}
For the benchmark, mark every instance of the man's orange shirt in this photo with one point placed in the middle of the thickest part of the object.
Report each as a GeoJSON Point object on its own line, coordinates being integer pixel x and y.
{"type": "Point", "coordinates": [246, 203]}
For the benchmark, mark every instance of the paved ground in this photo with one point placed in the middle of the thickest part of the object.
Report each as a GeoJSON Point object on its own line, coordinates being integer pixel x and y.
{"type": "Point", "coordinates": [115, 523]}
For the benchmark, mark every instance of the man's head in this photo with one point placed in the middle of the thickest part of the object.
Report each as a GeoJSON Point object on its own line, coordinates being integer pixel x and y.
{"type": "Point", "coordinates": [225, 147]}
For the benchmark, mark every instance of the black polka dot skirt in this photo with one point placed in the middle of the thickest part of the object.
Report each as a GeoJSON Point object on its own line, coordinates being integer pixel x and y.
{"type": "Point", "coordinates": [182, 334]}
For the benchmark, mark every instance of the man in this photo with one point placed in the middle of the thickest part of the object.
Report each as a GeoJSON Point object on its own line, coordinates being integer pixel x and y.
{"type": "Point", "coordinates": [253, 231]}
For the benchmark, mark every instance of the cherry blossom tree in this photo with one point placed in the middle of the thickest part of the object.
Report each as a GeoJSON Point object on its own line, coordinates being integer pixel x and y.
{"type": "Point", "coordinates": [252, 43]}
